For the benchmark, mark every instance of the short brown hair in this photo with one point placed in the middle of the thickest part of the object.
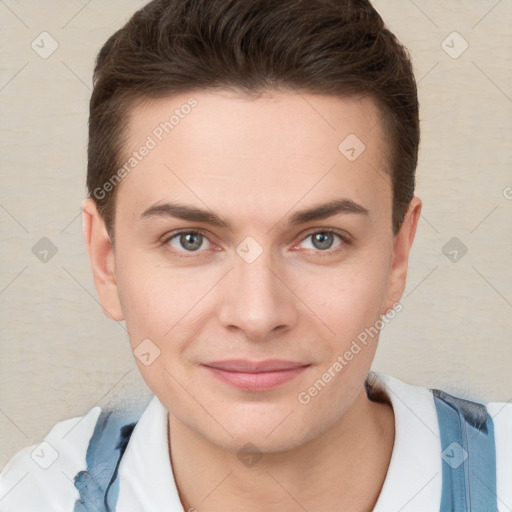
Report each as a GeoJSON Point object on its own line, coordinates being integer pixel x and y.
{"type": "Point", "coordinates": [331, 47]}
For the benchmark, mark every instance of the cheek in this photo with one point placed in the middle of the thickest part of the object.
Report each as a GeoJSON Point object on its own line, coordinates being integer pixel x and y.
{"type": "Point", "coordinates": [162, 303]}
{"type": "Point", "coordinates": [147, 299]}
{"type": "Point", "coordinates": [349, 299]}
{"type": "Point", "coordinates": [152, 307]}
{"type": "Point", "coordinates": [351, 306]}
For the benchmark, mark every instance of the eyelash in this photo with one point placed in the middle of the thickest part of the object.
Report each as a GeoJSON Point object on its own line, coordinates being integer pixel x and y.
{"type": "Point", "coordinates": [344, 238]}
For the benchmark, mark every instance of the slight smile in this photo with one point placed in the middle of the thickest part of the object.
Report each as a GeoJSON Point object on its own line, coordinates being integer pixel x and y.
{"type": "Point", "coordinates": [256, 375]}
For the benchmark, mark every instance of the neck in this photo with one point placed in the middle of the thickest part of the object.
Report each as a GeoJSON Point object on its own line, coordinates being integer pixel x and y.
{"type": "Point", "coordinates": [343, 469]}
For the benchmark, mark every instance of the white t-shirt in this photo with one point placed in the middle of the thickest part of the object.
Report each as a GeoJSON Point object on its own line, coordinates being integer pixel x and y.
{"type": "Point", "coordinates": [40, 478]}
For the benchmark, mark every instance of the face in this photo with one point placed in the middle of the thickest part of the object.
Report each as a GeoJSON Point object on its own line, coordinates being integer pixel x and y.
{"type": "Point", "coordinates": [254, 231]}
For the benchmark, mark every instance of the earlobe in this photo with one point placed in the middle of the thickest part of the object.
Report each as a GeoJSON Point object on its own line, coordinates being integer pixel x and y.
{"type": "Point", "coordinates": [401, 249]}
{"type": "Point", "coordinates": [101, 256]}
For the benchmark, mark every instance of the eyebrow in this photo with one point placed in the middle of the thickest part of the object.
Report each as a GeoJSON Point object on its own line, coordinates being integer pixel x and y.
{"type": "Point", "coordinates": [194, 214]}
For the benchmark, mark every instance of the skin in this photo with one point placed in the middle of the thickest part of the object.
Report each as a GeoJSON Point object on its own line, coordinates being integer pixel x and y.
{"type": "Point", "coordinates": [255, 162]}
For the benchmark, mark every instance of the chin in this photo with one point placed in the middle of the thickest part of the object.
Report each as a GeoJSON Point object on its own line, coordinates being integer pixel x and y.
{"type": "Point", "coordinates": [259, 442]}
{"type": "Point", "coordinates": [274, 436]}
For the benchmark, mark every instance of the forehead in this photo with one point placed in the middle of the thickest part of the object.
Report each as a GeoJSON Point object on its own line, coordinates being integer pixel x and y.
{"type": "Point", "coordinates": [225, 151]}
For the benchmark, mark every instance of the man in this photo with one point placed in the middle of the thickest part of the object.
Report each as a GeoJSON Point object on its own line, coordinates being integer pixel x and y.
{"type": "Point", "coordinates": [250, 215]}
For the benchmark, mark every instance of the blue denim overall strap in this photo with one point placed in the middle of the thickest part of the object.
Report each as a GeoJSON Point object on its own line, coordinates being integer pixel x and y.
{"type": "Point", "coordinates": [98, 485]}
{"type": "Point", "coordinates": [468, 453]}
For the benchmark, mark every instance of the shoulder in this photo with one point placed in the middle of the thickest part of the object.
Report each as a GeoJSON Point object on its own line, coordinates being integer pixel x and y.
{"type": "Point", "coordinates": [490, 425]}
{"type": "Point", "coordinates": [466, 443]}
{"type": "Point", "coordinates": [433, 406]}
{"type": "Point", "coordinates": [41, 476]}
{"type": "Point", "coordinates": [416, 397]}
{"type": "Point", "coordinates": [501, 414]}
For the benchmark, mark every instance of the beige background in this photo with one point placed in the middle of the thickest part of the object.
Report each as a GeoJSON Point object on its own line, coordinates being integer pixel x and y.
{"type": "Point", "coordinates": [60, 356]}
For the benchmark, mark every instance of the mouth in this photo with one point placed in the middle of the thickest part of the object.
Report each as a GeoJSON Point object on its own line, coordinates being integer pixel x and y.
{"type": "Point", "coordinates": [255, 375]}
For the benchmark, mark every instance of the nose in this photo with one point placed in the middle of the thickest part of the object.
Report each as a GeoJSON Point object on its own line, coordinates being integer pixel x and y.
{"type": "Point", "coordinates": [257, 300]}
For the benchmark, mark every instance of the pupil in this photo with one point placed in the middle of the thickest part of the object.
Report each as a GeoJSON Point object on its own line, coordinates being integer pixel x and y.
{"type": "Point", "coordinates": [188, 239]}
{"type": "Point", "coordinates": [324, 239]}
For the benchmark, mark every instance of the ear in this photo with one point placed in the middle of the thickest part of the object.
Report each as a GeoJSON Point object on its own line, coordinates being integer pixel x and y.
{"type": "Point", "coordinates": [101, 255]}
{"type": "Point", "coordinates": [401, 248]}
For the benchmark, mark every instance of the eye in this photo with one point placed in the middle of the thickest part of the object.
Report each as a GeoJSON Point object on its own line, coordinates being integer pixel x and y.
{"type": "Point", "coordinates": [187, 241]}
{"type": "Point", "coordinates": [324, 240]}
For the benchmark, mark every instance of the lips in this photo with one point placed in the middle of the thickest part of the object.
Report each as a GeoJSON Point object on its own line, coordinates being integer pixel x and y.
{"type": "Point", "coordinates": [243, 365]}
{"type": "Point", "coordinates": [255, 375]}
